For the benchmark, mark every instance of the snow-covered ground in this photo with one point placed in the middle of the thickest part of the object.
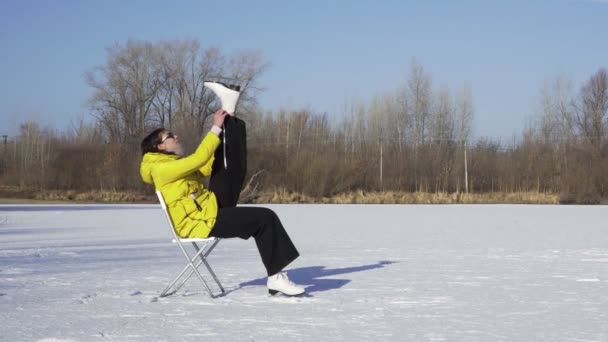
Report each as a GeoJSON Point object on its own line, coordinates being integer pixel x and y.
{"type": "Point", "coordinates": [372, 273]}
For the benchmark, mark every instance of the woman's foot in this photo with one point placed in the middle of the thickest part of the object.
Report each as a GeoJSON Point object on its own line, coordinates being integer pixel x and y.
{"type": "Point", "coordinates": [281, 283]}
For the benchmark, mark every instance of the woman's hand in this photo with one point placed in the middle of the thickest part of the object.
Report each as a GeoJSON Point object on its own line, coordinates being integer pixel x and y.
{"type": "Point", "coordinates": [218, 117]}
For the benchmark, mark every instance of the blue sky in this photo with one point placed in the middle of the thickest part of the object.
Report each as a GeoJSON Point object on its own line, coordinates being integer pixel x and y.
{"type": "Point", "coordinates": [322, 53]}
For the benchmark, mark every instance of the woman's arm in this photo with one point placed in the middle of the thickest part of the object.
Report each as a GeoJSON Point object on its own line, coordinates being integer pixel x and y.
{"type": "Point", "coordinates": [171, 171]}
{"type": "Point", "coordinates": [177, 169]}
{"type": "Point", "coordinates": [206, 169]}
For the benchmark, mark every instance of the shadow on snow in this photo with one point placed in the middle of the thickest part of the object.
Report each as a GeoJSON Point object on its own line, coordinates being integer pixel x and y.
{"type": "Point", "coordinates": [312, 277]}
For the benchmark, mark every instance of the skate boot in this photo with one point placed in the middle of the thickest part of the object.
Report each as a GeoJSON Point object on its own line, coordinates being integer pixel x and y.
{"type": "Point", "coordinates": [280, 283]}
{"type": "Point", "coordinates": [227, 93]}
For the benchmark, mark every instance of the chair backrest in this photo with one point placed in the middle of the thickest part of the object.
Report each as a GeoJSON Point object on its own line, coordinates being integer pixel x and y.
{"type": "Point", "coordinates": [163, 204]}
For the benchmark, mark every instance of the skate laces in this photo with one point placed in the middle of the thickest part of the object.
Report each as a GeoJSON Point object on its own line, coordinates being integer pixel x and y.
{"type": "Point", "coordinates": [284, 276]}
{"type": "Point", "coordinates": [224, 149]}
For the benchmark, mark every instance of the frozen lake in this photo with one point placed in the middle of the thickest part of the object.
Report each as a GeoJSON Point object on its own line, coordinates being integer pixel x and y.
{"type": "Point", "coordinates": [372, 273]}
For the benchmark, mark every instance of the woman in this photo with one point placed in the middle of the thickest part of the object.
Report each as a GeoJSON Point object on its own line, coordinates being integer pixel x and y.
{"type": "Point", "coordinates": [199, 212]}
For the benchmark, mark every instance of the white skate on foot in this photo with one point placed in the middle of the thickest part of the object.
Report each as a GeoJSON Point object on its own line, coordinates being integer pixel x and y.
{"type": "Point", "coordinates": [280, 283]}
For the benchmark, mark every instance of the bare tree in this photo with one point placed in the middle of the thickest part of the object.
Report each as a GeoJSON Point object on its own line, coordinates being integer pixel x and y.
{"type": "Point", "coordinates": [442, 138]}
{"type": "Point", "coordinates": [402, 124]}
{"type": "Point", "coordinates": [124, 88]}
{"type": "Point", "coordinates": [34, 152]}
{"type": "Point", "coordinates": [165, 79]}
{"type": "Point", "coordinates": [247, 66]}
{"type": "Point", "coordinates": [592, 110]}
{"type": "Point", "coordinates": [563, 99]}
{"type": "Point", "coordinates": [419, 99]}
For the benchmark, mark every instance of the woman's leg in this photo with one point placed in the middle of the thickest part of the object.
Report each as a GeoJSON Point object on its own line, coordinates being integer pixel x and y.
{"type": "Point", "coordinates": [273, 242]}
{"type": "Point", "coordinates": [227, 180]}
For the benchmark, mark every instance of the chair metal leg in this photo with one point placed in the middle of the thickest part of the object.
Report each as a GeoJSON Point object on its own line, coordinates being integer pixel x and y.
{"type": "Point", "coordinates": [179, 276]}
{"type": "Point", "coordinates": [203, 258]}
{"type": "Point", "coordinates": [200, 258]}
{"type": "Point", "coordinates": [166, 292]}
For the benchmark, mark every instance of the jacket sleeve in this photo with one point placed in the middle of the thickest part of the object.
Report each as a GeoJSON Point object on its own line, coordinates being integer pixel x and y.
{"type": "Point", "coordinates": [207, 168]}
{"type": "Point", "coordinates": [171, 171]}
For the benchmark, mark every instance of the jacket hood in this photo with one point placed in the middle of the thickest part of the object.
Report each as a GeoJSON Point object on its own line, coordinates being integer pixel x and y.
{"type": "Point", "coordinates": [148, 162]}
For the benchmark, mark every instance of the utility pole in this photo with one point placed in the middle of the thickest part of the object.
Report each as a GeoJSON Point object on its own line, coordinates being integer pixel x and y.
{"type": "Point", "coordinates": [287, 143]}
{"type": "Point", "coordinates": [381, 184]}
{"type": "Point", "coordinates": [4, 155]}
{"type": "Point", "coordinates": [466, 173]}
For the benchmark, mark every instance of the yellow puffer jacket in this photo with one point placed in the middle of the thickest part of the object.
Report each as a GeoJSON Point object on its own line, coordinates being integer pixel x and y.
{"type": "Point", "coordinates": [177, 179]}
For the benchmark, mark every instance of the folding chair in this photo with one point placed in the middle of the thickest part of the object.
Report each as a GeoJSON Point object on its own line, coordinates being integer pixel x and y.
{"type": "Point", "coordinates": [202, 251]}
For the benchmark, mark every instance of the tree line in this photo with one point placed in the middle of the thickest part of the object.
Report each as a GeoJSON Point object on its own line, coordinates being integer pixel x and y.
{"type": "Point", "coordinates": [416, 138]}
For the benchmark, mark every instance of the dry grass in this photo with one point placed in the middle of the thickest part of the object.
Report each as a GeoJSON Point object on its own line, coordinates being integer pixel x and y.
{"type": "Point", "coordinates": [393, 197]}
{"type": "Point", "coordinates": [10, 194]}
{"type": "Point", "coordinates": [16, 195]}
{"type": "Point", "coordinates": [93, 196]}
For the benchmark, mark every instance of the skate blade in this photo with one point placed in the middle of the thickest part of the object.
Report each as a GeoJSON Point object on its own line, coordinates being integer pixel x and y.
{"type": "Point", "coordinates": [272, 293]}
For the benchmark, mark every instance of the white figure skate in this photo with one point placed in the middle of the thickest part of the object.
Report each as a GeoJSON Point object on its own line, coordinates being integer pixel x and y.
{"type": "Point", "coordinates": [228, 94]}
{"type": "Point", "coordinates": [281, 283]}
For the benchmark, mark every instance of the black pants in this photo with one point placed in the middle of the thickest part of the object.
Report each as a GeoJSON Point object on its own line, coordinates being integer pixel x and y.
{"type": "Point", "coordinates": [227, 180]}
{"type": "Point", "coordinates": [263, 224]}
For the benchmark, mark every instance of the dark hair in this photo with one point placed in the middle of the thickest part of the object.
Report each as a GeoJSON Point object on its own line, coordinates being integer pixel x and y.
{"type": "Point", "coordinates": [151, 141]}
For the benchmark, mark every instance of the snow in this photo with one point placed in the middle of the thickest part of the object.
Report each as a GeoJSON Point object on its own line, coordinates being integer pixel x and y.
{"type": "Point", "coordinates": [372, 273]}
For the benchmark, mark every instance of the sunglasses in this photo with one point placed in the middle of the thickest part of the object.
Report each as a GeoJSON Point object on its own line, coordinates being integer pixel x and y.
{"type": "Point", "coordinates": [169, 135]}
